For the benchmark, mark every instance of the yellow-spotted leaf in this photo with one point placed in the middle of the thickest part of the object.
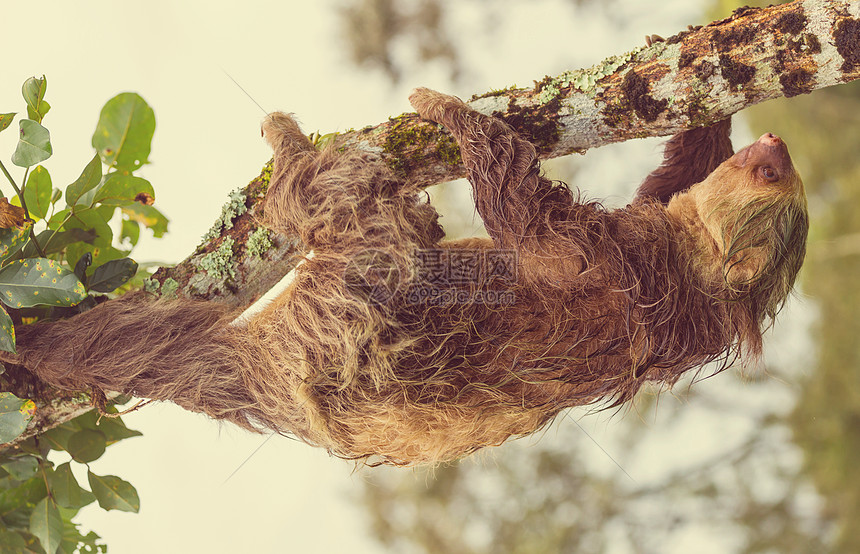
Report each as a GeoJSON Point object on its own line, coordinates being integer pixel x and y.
{"type": "Point", "coordinates": [6, 119]}
{"type": "Point", "coordinates": [39, 282]}
{"type": "Point", "coordinates": [27, 409]}
{"type": "Point", "coordinates": [113, 493]}
{"type": "Point", "coordinates": [148, 217]}
{"type": "Point", "coordinates": [7, 331]}
{"type": "Point", "coordinates": [15, 414]}
{"type": "Point", "coordinates": [13, 238]}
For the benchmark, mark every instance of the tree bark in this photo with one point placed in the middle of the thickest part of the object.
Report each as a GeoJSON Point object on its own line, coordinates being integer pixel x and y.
{"type": "Point", "coordinates": [691, 79]}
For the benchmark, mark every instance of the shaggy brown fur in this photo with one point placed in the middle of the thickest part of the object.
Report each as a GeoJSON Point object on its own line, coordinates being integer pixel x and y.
{"type": "Point", "coordinates": [359, 356]}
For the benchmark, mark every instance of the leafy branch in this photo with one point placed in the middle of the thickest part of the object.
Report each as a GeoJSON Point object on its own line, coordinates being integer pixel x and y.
{"type": "Point", "coordinates": [57, 254]}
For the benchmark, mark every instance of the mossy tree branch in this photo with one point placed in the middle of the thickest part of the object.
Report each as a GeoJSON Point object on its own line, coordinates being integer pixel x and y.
{"type": "Point", "coordinates": [691, 79]}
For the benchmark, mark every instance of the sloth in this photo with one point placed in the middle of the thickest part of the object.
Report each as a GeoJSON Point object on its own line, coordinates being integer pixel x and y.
{"type": "Point", "coordinates": [392, 345]}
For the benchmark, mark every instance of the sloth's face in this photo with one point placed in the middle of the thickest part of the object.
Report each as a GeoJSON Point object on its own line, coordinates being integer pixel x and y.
{"type": "Point", "coordinates": [753, 209]}
{"type": "Point", "coordinates": [762, 170]}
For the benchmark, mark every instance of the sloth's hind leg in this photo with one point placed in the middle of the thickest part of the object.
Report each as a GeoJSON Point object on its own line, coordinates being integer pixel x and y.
{"type": "Point", "coordinates": [340, 200]}
{"type": "Point", "coordinates": [284, 135]}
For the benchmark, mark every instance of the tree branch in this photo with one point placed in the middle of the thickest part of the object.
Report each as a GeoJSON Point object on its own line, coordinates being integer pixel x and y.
{"type": "Point", "coordinates": [693, 78]}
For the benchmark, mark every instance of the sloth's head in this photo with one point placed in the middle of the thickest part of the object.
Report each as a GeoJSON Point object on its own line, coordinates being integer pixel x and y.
{"type": "Point", "coordinates": [752, 221]}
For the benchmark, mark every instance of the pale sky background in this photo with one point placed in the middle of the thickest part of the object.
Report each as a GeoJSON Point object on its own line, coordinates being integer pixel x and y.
{"type": "Point", "coordinates": [287, 55]}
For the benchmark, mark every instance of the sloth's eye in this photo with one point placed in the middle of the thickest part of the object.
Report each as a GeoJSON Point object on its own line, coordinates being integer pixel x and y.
{"type": "Point", "coordinates": [769, 173]}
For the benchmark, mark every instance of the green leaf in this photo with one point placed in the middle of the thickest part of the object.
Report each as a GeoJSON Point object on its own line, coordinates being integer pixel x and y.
{"type": "Point", "coordinates": [81, 266]}
{"type": "Point", "coordinates": [131, 231]}
{"type": "Point", "coordinates": [113, 493]}
{"type": "Point", "coordinates": [148, 217]}
{"type": "Point", "coordinates": [29, 492]}
{"type": "Point", "coordinates": [115, 430]}
{"type": "Point", "coordinates": [58, 218]}
{"type": "Point", "coordinates": [47, 525]}
{"type": "Point", "coordinates": [66, 490]}
{"type": "Point", "coordinates": [7, 332]}
{"type": "Point", "coordinates": [44, 108]}
{"type": "Point", "coordinates": [37, 282]}
{"type": "Point", "coordinates": [31, 445]}
{"type": "Point", "coordinates": [13, 543]}
{"type": "Point", "coordinates": [58, 437]}
{"type": "Point", "coordinates": [112, 274]}
{"type": "Point", "coordinates": [100, 247]}
{"type": "Point", "coordinates": [15, 414]}
{"type": "Point", "coordinates": [73, 541]}
{"type": "Point", "coordinates": [19, 518]}
{"type": "Point", "coordinates": [21, 468]}
{"type": "Point", "coordinates": [34, 144]}
{"type": "Point", "coordinates": [86, 445]}
{"type": "Point", "coordinates": [124, 132]}
{"type": "Point", "coordinates": [6, 120]}
{"type": "Point", "coordinates": [90, 178]}
{"type": "Point", "coordinates": [12, 239]}
{"type": "Point", "coordinates": [55, 241]}
{"type": "Point", "coordinates": [113, 427]}
{"type": "Point", "coordinates": [106, 213]}
{"type": "Point", "coordinates": [101, 254]}
{"type": "Point", "coordinates": [89, 219]}
{"type": "Point", "coordinates": [120, 189]}
{"type": "Point", "coordinates": [34, 93]}
{"type": "Point", "coordinates": [37, 193]}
